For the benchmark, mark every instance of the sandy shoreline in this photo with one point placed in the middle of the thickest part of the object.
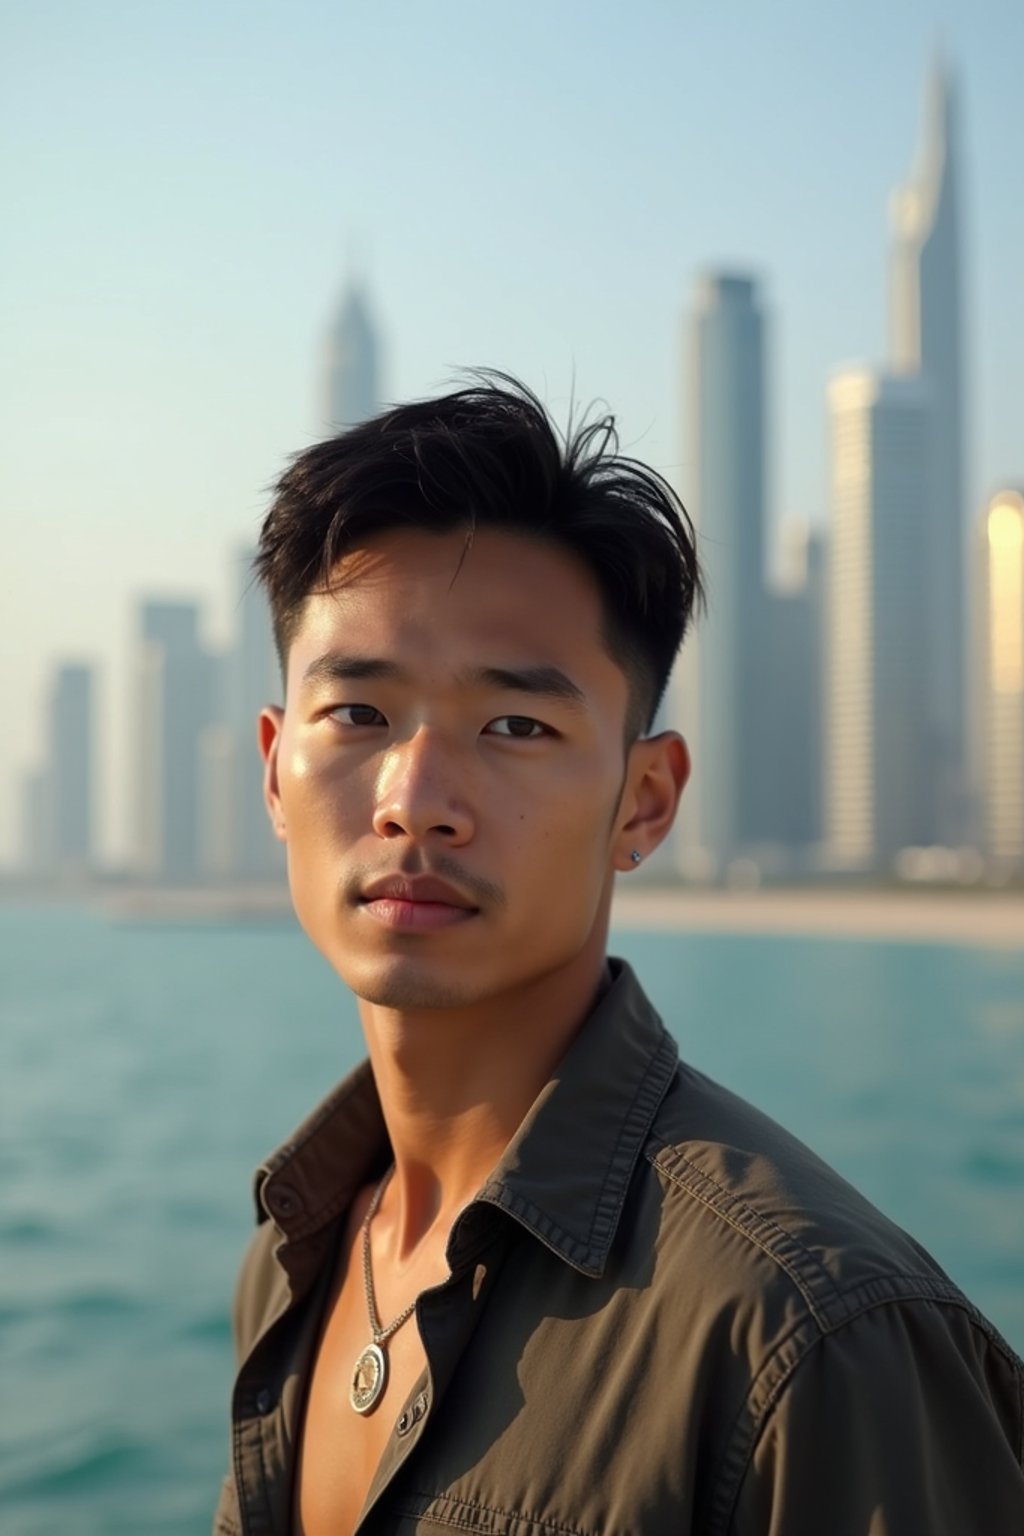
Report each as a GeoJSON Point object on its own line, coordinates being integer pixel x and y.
{"type": "Point", "coordinates": [987, 918]}
{"type": "Point", "coordinates": [982, 918]}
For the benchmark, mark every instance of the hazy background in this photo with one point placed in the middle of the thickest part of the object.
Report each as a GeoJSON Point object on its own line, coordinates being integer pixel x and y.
{"type": "Point", "coordinates": [187, 189]}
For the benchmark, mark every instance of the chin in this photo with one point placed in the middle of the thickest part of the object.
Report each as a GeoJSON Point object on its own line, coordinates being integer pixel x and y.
{"type": "Point", "coordinates": [404, 985]}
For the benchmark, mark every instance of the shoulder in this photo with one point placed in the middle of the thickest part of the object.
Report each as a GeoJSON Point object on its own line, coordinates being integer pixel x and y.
{"type": "Point", "coordinates": [845, 1350]}
{"type": "Point", "coordinates": [759, 1201]}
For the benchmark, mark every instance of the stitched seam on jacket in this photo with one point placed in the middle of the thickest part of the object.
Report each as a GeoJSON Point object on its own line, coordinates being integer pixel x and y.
{"type": "Point", "coordinates": [427, 1510]}
{"type": "Point", "coordinates": [910, 1285]}
{"type": "Point", "coordinates": [748, 1228]}
{"type": "Point", "coordinates": [907, 1288]}
{"type": "Point", "coordinates": [768, 1385]}
{"type": "Point", "coordinates": [540, 1225]}
{"type": "Point", "coordinates": [247, 1430]}
{"type": "Point", "coordinates": [649, 1093]}
{"type": "Point", "coordinates": [237, 1470]}
{"type": "Point", "coordinates": [581, 1254]}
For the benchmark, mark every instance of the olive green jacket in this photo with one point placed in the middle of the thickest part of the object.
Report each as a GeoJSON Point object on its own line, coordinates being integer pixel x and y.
{"type": "Point", "coordinates": [664, 1315]}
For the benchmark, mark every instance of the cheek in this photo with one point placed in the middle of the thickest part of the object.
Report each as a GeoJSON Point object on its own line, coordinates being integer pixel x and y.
{"type": "Point", "coordinates": [568, 833]}
{"type": "Point", "coordinates": [319, 802]}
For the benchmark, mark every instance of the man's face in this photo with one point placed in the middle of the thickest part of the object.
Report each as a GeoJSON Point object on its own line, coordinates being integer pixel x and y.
{"type": "Point", "coordinates": [460, 723]}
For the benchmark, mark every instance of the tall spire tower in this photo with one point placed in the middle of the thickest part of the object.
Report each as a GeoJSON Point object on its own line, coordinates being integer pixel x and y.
{"type": "Point", "coordinates": [926, 338]}
{"type": "Point", "coordinates": [353, 362]}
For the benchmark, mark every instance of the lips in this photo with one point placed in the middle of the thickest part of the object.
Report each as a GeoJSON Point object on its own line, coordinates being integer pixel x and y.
{"type": "Point", "coordinates": [416, 903]}
{"type": "Point", "coordinates": [416, 888]}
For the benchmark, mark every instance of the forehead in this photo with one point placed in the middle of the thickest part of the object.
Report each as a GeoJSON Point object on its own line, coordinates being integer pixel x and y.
{"type": "Point", "coordinates": [427, 597]}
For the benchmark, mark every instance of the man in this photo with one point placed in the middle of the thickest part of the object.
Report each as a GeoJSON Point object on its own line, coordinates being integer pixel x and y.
{"type": "Point", "coordinates": [523, 1272]}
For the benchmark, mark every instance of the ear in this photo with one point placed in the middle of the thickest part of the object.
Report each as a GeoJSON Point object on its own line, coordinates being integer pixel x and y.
{"type": "Point", "coordinates": [656, 774]}
{"type": "Point", "coordinates": [270, 727]}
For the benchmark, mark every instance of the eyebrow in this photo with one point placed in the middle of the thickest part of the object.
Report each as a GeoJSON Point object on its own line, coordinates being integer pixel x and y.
{"type": "Point", "coordinates": [543, 681]}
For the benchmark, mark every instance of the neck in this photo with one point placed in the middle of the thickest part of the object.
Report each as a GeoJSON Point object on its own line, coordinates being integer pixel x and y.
{"type": "Point", "coordinates": [455, 1085]}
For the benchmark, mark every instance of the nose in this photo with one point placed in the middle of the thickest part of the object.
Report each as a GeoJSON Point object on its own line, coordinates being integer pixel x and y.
{"type": "Point", "coordinates": [421, 792]}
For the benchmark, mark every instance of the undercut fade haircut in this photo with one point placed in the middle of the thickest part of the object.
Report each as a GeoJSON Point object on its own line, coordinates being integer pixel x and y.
{"type": "Point", "coordinates": [489, 456]}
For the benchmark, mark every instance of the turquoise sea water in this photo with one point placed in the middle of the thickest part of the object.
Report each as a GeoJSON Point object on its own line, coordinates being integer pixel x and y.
{"type": "Point", "coordinates": [145, 1070]}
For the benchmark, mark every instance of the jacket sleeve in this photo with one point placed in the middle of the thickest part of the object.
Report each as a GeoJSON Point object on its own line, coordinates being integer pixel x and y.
{"type": "Point", "coordinates": [907, 1420]}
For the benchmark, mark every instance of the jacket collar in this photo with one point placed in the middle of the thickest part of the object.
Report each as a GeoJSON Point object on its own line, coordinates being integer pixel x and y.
{"type": "Point", "coordinates": [564, 1174]}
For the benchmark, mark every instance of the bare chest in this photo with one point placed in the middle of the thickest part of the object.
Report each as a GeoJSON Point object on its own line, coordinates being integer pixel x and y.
{"type": "Point", "coordinates": [340, 1449]}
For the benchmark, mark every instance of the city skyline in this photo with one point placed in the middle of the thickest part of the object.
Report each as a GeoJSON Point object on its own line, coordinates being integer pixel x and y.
{"type": "Point", "coordinates": [806, 779]}
{"type": "Point", "coordinates": [195, 497]}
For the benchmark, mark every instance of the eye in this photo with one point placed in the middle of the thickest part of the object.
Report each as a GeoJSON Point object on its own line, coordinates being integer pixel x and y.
{"type": "Point", "coordinates": [521, 727]}
{"type": "Point", "coordinates": [357, 714]}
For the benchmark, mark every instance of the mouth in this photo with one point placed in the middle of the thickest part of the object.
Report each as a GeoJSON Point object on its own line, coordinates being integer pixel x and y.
{"type": "Point", "coordinates": [416, 905]}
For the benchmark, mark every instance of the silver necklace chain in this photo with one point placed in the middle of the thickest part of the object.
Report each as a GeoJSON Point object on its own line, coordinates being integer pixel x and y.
{"type": "Point", "coordinates": [379, 1333]}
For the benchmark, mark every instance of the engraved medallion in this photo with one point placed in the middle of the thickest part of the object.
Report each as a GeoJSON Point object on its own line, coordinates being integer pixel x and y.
{"type": "Point", "coordinates": [370, 1372]}
{"type": "Point", "coordinates": [369, 1378]}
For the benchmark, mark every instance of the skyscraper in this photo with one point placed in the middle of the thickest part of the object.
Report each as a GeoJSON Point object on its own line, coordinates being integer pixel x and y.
{"type": "Point", "coordinates": [719, 671]}
{"type": "Point", "coordinates": [58, 824]}
{"type": "Point", "coordinates": [71, 769]}
{"type": "Point", "coordinates": [999, 677]}
{"type": "Point", "coordinates": [253, 681]}
{"type": "Point", "coordinates": [789, 746]}
{"type": "Point", "coordinates": [353, 363]}
{"type": "Point", "coordinates": [926, 337]}
{"type": "Point", "coordinates": [877, 761]}
{"type": "Point", "coordinates": [175, 702]}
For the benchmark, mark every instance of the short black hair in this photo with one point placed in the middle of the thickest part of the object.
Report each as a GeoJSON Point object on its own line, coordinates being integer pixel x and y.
{"type": "Point", "coordinates": [489, 455]}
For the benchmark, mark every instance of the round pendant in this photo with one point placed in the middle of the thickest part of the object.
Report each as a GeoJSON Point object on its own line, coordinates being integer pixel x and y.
{"type": "Point", "coordinates": [369, 1378]}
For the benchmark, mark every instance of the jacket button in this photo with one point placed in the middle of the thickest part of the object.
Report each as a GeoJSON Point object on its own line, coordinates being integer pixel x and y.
{"type": "Point", "coordinates": [404, 1422]}
{"type": "Point", "coordinates": [282, 1200]}
{"type": "Point", "coordinates": [264, 1399]}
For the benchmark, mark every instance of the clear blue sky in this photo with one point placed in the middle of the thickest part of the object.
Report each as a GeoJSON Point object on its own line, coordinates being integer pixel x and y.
{"type": "Point", "coordinates": [184, 187]}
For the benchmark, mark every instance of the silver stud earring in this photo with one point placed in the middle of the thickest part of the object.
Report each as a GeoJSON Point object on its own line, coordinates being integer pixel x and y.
{"type": "Point", "coordinates": [636, 856]}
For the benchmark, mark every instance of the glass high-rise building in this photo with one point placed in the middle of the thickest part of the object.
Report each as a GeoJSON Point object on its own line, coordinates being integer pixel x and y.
{"type": "Point", "coordinates": [926, 338]}
{"type": "Point", "coordinates": [59, 810]}
{"type": "Point", "coordinates": [999, 677]}
{"type": "Point", "coordinates": [720, 695]}
{"type": "Point", "coordinates": [174, 682]}
{"type": "Point", "coordinates": [72, 767]}
{"type": "Point", "coordinates": [877, 762]}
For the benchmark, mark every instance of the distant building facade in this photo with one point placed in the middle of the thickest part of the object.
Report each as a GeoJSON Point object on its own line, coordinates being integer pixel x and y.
{"type": "Point", "coordinates": [71, 769]}
{"type": "Point", "coordinates": [998, 675]}
{"type": "Point", "coordinates": [176, 699]}
{"type": "Point", "coordinates": [241, 843]}
{"type": "Point", "coordinates": [747, 689]}
{"type": "Point", "coordinates": [789, 752]}
{"type": "Point", "coordinates": [926, 338]}
{"type": "Point", "coordinates": [719, 672]}
{"type": "Point", "coordinates": [353, 366]}
{"type": "Point", "coordinates": [877, 760]}
{"type": "Point", "coordinates": [59, 795]}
